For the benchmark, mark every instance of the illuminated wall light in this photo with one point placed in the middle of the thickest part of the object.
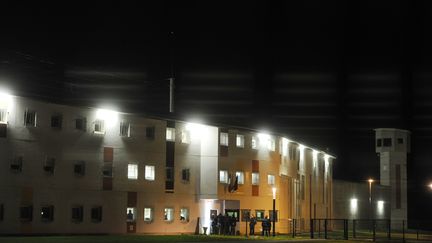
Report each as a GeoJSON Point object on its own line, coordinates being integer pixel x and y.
{"type": "Point", "coordinates": [5, 100]}
{"type": "Point", "coordinates": [206, 217]}
{"type": "Point", "coordinates": [196, 130]}
{"type": "Point", "coordinates": [302, 155]}
{"type": "Point", "coordinates": [353, 206]}
{"type": "Point", "coordinates": [326, 163]}
{"type": "Point", "coordinates": [315, 158]}
{"type": "Point", "coordinates": [380, 207]}
{"type": "Point", "coordinates": [108, 116]}
{"type": "Point", "coordinates": [263, 139]}
{"type": "Point", "coordinates": [285, 143]}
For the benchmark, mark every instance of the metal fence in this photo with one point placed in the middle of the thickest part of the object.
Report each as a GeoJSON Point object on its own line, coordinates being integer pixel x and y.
{"type": "Point", "coordinates": [367, 229]}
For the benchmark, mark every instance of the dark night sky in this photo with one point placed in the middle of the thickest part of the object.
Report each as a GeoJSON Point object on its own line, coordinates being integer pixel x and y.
{"type": "Point", "coordinates": [322, 72]}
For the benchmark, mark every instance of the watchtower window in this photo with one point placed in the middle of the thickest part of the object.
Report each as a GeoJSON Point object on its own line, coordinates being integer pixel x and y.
{"type": "Point", "coordinates": [379, 142]}
{"type": "Point", "coordinates": [387, 142]}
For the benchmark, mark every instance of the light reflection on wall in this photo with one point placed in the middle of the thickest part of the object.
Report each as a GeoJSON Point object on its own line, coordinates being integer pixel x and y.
{"type": "Point", "coordinates": [380, 208]}
{"type": "Point", "coordinates": [353, 206]}
{"type": "Point", "coordinates": [108, 116]}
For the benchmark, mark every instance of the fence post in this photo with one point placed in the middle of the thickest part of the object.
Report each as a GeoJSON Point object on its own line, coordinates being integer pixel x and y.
{"type": "Point", "coordinates": [246, 228]}
{"type": "Point", "coordinates": [293, 227]}
{"type": "Point", "coordinates": [319, 228]}
{"type": "Point", "coordinates": [345, 222]}
{"type": "Point", "coordinates": [403, 231]}
{"type": "Point", "coordinates": [311, 228]}
{"type": "Point", "coordinates": [374, 229]}
{"type": "Point", "coordinates": [325, 228]}
{"type": "Point", "coordinates": [354, 228]}
{"type": "Point", "coordinates": [389, 229]}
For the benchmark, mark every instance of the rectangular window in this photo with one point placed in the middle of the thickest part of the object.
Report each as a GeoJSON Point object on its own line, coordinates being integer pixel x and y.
{"type": "Point", "coordinates": [169, 174]}
{"type": "Point", "coordinates": [184, 214]}
{"type": "Point", "coordinates": [56, 121]}
{"type": "Point", "coordinates": [3, 116]}
{"type": "Point", "coordinates": [77, 213]}
{"type": "Point", "coordinates": [271, 144]}
{"type": "Point", "coordinates": [30, 118]}
{"type": "Point", "coordinates": [185, 136]}
{"type": "Point", "coordinates": [224, 139]}
{"type": "Point", "coordinates": [47, 213]}
{"type": "Point", "coordinates": [223, 176]}
{"type": "Point", "coordinates": [132, 171]}
{"type": "Point", "coordinates": [240, 141]}
{"type": "Point", "coordinates": [260, 214]}
{"type": "Point", "coordinates": [400, 140]}
{"type": "Point", "coordinates": [81, 124]}
{"type": "Point", "coordinates": [185, 175]}
{"type": "Point", "coordinates": [124, 129]}
{"type": "Point", "coordinates": [387, 142]}
{"type": "Point", "coordinates": [168, 214]}
{"type": "Point", "coordinates": [379, 142]}
{"type": "Point", "coordinates": [130, 214]}
{"type": "Point", "coordinates": [148, 214]}
{"type": "Point", "coordinates": [49, 166]}
{"type": "Point", "coordinates": [96, 214]}
{"type": "Point", "coordinates": [149, 172]}
{"type": "Point", "coordinates": [1, 212]}
{"type": "Point", "coordinates": [271, 179]}
{"type": "Point", "coordinates": [245, 214]}
{"type": "Point", "coordinates": [170, 134]}
{"type": "Point", "coordinates": [107, 170]}
{"type": "Point", "coordinates": [254, 142]}
{"type": "Point", "coordinates": [26, 213]}
{"type": "Point", "coordinates": [16, 165]}
{"type": "Point", "coordinates": [255, 178]}
{"type": "Point", "coordinates": [240, 177]}
{"type": "Point", "coordinates": [99, 126]}
{"type": "Point", "coordinates": [79, 168]}
{"type": "Point", "coordinates": [150, 132]}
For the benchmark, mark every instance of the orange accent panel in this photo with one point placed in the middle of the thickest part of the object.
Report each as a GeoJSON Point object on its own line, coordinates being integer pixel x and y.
{"type": "Point", "coordinates": [255, 166]}
{"type": "Point", "coordinates": [108, 154]}
{"type": "Point", "coordinates": [255, 190]}
{"type": "Point", "coordinates": [131, 227]}
{"type": "Point", "coordinates": [132, 199]}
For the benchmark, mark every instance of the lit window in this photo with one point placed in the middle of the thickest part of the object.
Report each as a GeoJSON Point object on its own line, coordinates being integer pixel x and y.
{"type": "Point", "coordinates": [240, 177]}
{"type": "Point", "coordinates": [56, 121]}
{"type": "Point", "coordinates": [107, 170]}
{"type": "Point", "coordinates": [271, 179]}
{"type": "Point", "coordinates": [260, 214]}
{"type": "Point", "coordinates": [148, 214]}
{"type": "Point", "coordinates": [149, 172]}
{"type": "Point", "coordinates": [47, 213]}
{"type": "Point", "coordinates": [124, 129]}
{"type": "Point", "coordinates": [185, 136]}
{"type": "Point", "coordinates": [271, 144]}
{"type": "Point", "coordinates": [30, 118]}
{"type": "Point", "coordinates": [223, 176]}
{"type": "Point", "coordinates": [184, 215]}
{"type": "Point", "coordinates": [170, 134]}
{"type": "Point", "coordinates": [3, 116]}
{"type": "Point", "coordinates": [99, 126]}
{"type": "Point", "coordinates": [132, 171]}
{"type": "Point", "coordinates": [130, 214]}
{"type": "Point", "coordinates": [169, 214]}
{"type": "Point", "coordinates": [185, 175]}
{"type": "Point", "coordinates": [254, 142]}
{"type": "Point", "coordinates": [255, 178]}
{"type": "Point", "coordinates": [240, 141]}
{"type": "Point", "coordinates": [224, 139]}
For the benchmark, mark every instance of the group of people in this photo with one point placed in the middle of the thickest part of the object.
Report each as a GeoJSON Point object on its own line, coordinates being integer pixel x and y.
{"type": "Point", "coordinates": [223, 225]}
{"type": "Point", "coordinates": [265, 224]}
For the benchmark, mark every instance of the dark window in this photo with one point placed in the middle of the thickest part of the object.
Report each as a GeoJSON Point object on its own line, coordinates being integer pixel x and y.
{"type": "Point", "coordinates": [96, 214]}
{"type": "Point", "coordinates": [79, 168]}
{"type": "Point", "coordinates": [49, 166]}
{"type": "Point", "coordinates": [77, 214]}
{"type": "Point", "coordinates": [107, 171]}
{"type": "Point", "coordinates": [56, 121]}
{"type": "Point", "coordinates": [16, 165]}
{"type": "Point", "coordinates": [379, 142]}
{"type": "Point", "coordinates": [47, 213]}
{"type": "Point", "coordinates": [3, 130]}
{"type": "Point", "coordinates": [26, 213]}
{"type": "Point", "coordinates": [150, 132]}
{"type": "Point", "coordinates": [271, 215]}
{"type": "Point", "coordinates": [30, 118]}
{"type": "Point", "coordinates": [400, 140]}
{"type": "Point", "coordinates": [185, 174]}
{"type": "Point", "coordinates": [1, 212]}
{"type": "Point", "coordinates": [124, 129]}
{"type": "Point", "coordinates": [387, 142]}
{"type": "Point", "coordinates": [233, 213]}
{"type": "Point", "coordinates": [170, 174]}
{"type": "Point", "coordinates": [81, 124]}
{"type": "Point", "coordinates": [245, 214]}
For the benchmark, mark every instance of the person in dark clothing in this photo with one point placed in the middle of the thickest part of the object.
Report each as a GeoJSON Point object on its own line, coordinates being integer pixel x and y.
{"type": "Point", "coordinates": [233, 223]}
{"type": "Point", "coordinates": [214, 226]}
{"type": "Point", "coordinates": [252, 224]}
{"type": "Point", "coordinates": [220, 224]}
{"type": "Point", "coordinates": [265, 224]}
{"type": "Point", "coordinates": [226, 224]}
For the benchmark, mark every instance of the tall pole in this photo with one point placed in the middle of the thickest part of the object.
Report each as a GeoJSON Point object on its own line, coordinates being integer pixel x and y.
{"type": "Point", "coordinates": [171, 89]}
{"type": "Point", "coordinates": [370, 197]}
{"type": "Point", "coordinates": [274, 211]}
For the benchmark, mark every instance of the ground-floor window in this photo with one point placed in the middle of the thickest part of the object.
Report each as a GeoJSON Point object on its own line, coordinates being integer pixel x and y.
{"type": "Point", "coordinates": [26, 213]}
{"type": "Point", "coordinates": [47, 213]}
{"type": "Point", "coordinates": [260, 214]}
{"type": "Point", "coordinates": [184, 215]}
{"type": "Point", "coordinates": [168, 214]}
{"type": "Point", "coordinates": [96, 214]}
{"type": "Point", "coordinates": [130, 214]}
{"type": "Point", "coordinates": [245, 214]}
{"type": "Point", "coordinates": [148, 214]}
{"type": "Point", "coordinates": [77, 213]}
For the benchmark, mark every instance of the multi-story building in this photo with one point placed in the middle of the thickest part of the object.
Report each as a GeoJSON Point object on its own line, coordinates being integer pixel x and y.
{"type": "Point", "coordinates": [81, 170]}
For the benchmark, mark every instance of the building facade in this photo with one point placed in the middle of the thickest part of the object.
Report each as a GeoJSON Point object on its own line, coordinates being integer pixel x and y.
{"type": "Point", "coordinates": [82, 170]}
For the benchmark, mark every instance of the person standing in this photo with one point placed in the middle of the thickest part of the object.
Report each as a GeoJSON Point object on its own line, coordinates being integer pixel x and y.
{"type": "Point", "coordinates": [252, 224]}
